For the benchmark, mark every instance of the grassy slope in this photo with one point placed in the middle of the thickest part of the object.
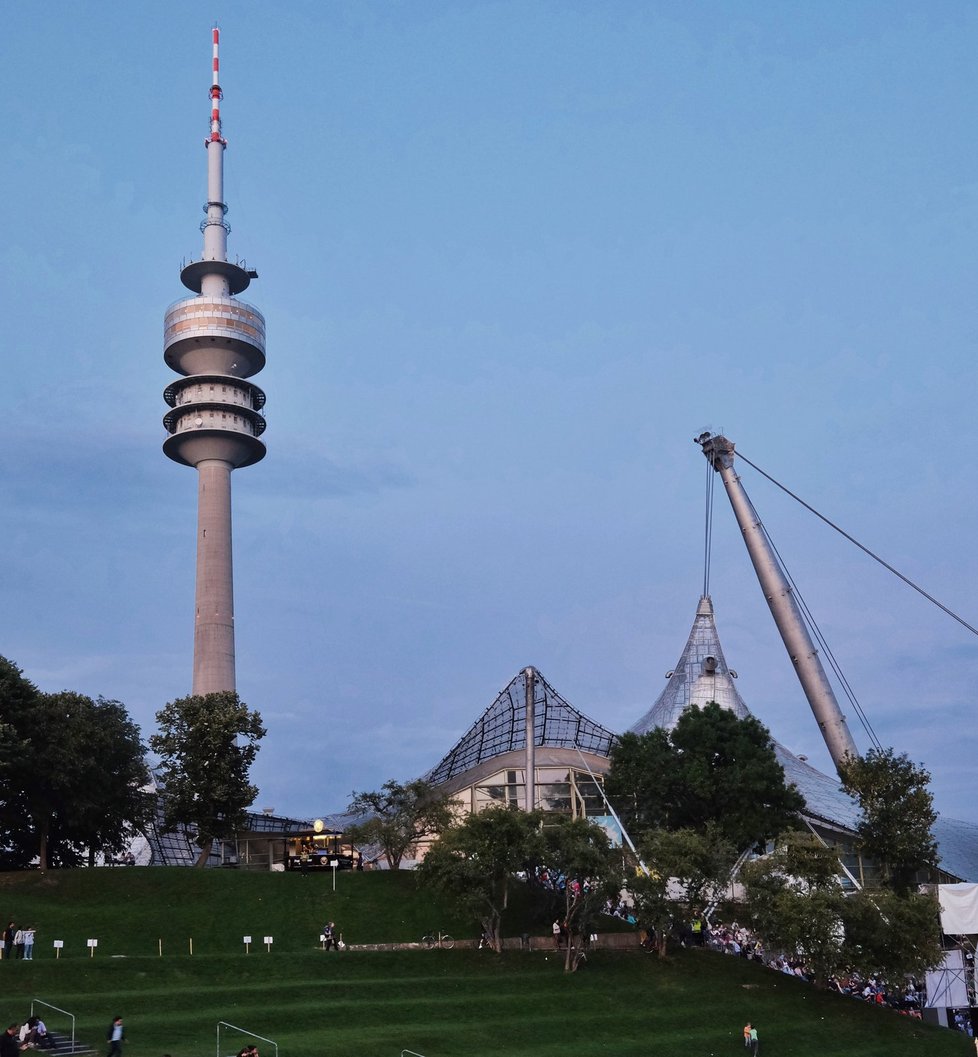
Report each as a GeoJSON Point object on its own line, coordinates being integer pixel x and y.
{"type": "Point", "coordinates": [436, 1003]}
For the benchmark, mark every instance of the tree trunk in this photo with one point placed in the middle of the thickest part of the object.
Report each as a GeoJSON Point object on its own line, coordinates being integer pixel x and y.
{"type": "Point", "coordinates": [205, 853]}
{"type": "Point", "coordinates": [491, 926]}
{"type": "Point", "coordinates": [43, 829]}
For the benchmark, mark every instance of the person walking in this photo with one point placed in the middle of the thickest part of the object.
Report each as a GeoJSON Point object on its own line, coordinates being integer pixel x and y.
{"type": "Point", "coordinates": [329, 935]}
{"type": "Point", "coordinates": [114, 1037]}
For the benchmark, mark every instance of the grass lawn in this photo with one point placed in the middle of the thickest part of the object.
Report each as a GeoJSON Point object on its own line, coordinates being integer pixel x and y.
{"type": "Point", "coordinates": [437, 1003]}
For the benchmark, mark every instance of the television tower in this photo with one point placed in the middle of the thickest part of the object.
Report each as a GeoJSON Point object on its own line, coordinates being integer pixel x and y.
{"type": "Point", "coordinates": [216, 342]}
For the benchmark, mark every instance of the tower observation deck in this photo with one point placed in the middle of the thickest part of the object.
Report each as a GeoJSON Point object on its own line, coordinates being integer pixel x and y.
{"type": "Point", "coordinates": [215, 342]}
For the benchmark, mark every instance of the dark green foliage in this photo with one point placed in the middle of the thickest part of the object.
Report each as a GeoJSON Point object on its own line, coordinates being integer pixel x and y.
{"type": "Point", "coordinates": [712, 767]}
{"type": "Point", "coordinates": [207, 744]}
{"type": "Point", "coordinates": [641, 779]}
{"type": "Point", "coordinates": [897, 815]}
{"type": "Point", "coordinates": [473, 865]}
{"type": "Point", "coordinates": [70, 775]}
{"type": "Point", "coordinates": [576, 853]}
{"type": "Point", "coordinates": [397, 817]}
{"type": "Point", "coordinates": [698, 862]}
{"type": "Point", "coordinates": [795, 902]}
{"type": "Point", "coordinates": [892, 934]}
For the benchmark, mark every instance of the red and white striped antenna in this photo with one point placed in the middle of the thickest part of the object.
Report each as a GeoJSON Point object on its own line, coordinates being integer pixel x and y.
{"type": "Point", "coordinates": [216, 94]}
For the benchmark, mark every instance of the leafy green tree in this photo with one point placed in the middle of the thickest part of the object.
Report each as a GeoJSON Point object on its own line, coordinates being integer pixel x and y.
{"type": "Point", "coordinates": [207, 744]}
{"type": "Point", "coordinates": [577, 853]}
{"type": "Point", "coordinates": [475, 862]}
{"type": "Point", "coordinates": [698, 863]}
{"type": "Point", "coordinates": [892, 934]}
{"type": "Point", "coordinates": [104, 761]}
{"type": "Point", "coordinates": [897, 815]}
{"type": "Point", "coordinates": [70, 775]}
{"type": "Point", "coordinates": [711, 767]}
{"type": "Point", "coordinates": [396, 817]}
{"type": "Point", "coordinates": [641, 779]}
{"type": "Point", "coordinates": [795, 902]}
{"type": "Point", "coordinates": [653, 904]}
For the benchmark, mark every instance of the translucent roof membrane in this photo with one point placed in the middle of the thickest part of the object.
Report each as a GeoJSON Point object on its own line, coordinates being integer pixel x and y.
{"type": "Point", "coordinates": [702, 675]}
{"type": "Point", "coordinates": [502, 728]}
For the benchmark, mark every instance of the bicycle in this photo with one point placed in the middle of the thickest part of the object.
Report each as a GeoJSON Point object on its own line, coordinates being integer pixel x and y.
{"type": "Point", "coordinates": [438, 939]}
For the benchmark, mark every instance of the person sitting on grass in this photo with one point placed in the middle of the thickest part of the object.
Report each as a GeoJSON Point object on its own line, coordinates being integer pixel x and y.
{"type": "Point", "coordinates": [10, 1042]}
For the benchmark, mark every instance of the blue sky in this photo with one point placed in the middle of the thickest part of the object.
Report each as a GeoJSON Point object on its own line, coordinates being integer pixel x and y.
{"type": "Point", "coordinates": [513, 256]}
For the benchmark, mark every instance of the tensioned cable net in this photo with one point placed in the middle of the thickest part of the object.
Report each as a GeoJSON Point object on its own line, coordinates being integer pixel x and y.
{"type": "Point", "coordinates": [502, 728]}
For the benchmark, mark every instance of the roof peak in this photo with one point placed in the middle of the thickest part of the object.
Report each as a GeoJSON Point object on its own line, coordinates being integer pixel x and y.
{"type": "Point", "coordinates": [701, 675]}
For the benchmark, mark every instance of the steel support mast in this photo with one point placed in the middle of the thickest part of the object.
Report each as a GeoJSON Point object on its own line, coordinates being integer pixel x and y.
{"type": "Point", "coordinates": [719, 451]}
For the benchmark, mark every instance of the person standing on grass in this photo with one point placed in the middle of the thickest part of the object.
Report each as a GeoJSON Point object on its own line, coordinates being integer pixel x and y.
{"type": "Point", "coordinates": [114, 1037]}
{"type": "Point", "coordinates": [753, 1041]}
{"type": "Point", "coordinates": [747, 1034]}
{"type": "Point", "coordinates": [19, 943]}
{"type": "Point", "coordinates": [8, 940]}
{"type": "Point", "coordinates": [29, 943]}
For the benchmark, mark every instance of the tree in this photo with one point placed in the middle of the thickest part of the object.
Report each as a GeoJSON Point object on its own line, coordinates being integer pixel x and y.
{"type": "Point", "coordinates": [699, 863]}
{"type": "Point", "coordinates": [895, 935]}
{"type": "Point", "coordinates": [70, 775]}
{"type": "Point", "coordinates": [207, 744]}
{"type": "Point", "coordinates": [897, 815]}
{"type": "Point", "coordinates": [103, 761]}
{"type": "Point", "coordinates": [641, 779]}
{"type": "Point", "coordinates": [577, 855]}
{"type": "Point", "coordinates": [653, 904]}
{"type": "Point", "coordinates": [397, 817]}
{"type": "Point", "coordinates": [796, 903]}
{"type": "Point", "coordinates": [711, 767]}
{"type": "Point", "coordinates": [475, 861]}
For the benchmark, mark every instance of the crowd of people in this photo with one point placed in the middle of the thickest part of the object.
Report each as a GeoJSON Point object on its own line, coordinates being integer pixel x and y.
{"type": "Point", "coordinates": [18, 942]}
{"type": "Point", "coordinates": [906, 997]}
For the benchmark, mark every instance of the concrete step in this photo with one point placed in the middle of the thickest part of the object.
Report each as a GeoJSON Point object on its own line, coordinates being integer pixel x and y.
{"type": "Point", "coordinates": [63, 1047]}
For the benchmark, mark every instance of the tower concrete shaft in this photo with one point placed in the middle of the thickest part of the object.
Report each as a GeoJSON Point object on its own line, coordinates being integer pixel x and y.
{"type": "Point", "coordinates": [216, 342]}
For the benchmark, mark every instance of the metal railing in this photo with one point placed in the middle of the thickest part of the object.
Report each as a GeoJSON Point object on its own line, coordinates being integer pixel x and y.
{"type": "Point", "coordinates": [244, 1031]}
{"type": "Point", "coordinates": [59, 1010]}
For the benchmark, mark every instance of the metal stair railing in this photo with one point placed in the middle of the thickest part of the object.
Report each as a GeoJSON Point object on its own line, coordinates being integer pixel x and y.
{"type": "Point", "coordinates": [58, 1009]}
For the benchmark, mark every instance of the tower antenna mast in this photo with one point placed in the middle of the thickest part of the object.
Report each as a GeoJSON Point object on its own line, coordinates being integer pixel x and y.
{"type": "Point", "coordinates": [215, 342]}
